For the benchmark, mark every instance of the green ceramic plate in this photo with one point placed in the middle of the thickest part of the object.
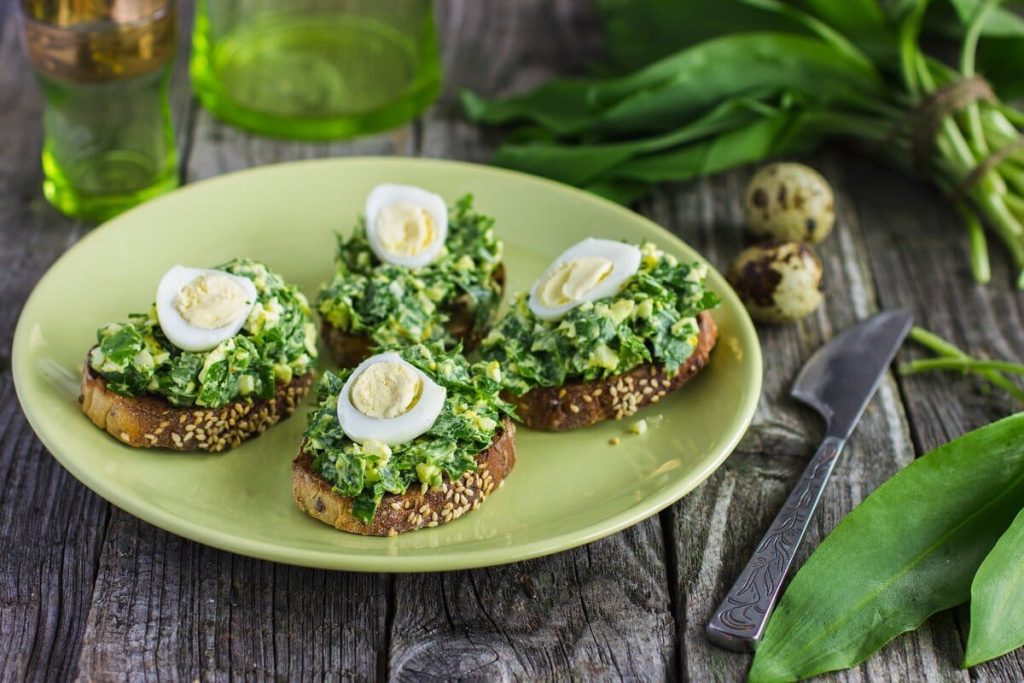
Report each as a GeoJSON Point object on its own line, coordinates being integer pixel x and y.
{"type": "Point", "coordinates": [567, 489]}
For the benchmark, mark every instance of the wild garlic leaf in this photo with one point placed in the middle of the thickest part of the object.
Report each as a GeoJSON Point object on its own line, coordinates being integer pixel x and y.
{"type": "Point", "coordinates": [909, 550]}
{"type": "Point", "coordinates": [997, 620]}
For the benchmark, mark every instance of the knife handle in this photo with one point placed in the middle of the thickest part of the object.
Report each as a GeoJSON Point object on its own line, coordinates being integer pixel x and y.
{"type": "Point", "coordinates": [739, 621]}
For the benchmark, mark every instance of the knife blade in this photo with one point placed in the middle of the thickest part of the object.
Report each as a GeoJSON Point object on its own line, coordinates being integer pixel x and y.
{"type": "Point", "coordinates": [842, 376]}
{"type": "Point", "coordinates": [838, 381]}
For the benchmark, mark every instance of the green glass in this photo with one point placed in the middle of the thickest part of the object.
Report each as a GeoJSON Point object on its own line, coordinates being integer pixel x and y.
{"type": "Point", "coordinates": [104, 69]}
{"type": "Point", "coordinates": [315, 69]}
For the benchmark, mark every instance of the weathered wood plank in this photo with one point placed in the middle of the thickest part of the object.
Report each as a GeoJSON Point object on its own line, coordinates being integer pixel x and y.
{"type": "Point", "coordinates": [50, 526]}
{"type": "Point", "coordinates": [601, 611]}
{"type": "Point", "coordinates": [919, 255]}
{"type": "Point", "coordinates": [164, 604]}
{"type": "Point", "coordinates": [715, 529]}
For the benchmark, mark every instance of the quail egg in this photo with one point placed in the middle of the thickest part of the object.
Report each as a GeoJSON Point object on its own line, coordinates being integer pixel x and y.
{"type": "Point", "coordinates": [778, 281]}
{"type": "Point", "coordinates": [790, 202]}
{"type": "Point", "coordinates": [587, 271]}
{"type": "Point", "coordinates": [198, 308]}
{"type": "Point", "coordinates": [406, 225]}
{"type": "Point", "coordinates": [388, 400]}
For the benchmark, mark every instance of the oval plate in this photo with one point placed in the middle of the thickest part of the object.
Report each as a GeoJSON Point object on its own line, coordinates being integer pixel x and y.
{"type": "Point", "coordinates": [567, 489]}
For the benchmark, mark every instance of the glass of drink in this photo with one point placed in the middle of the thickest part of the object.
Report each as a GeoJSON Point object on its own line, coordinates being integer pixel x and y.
{"type": "Point", "coordinates": [315, 69]}
{"type": "Point", "coordinates": [104, 68]}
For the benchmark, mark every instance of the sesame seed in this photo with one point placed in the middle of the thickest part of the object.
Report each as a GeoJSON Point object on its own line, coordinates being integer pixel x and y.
{"type": "Point", "coordinates": [396, 506]}
{"type": "Point", "coordinates": [615, 441]}
{"type": "Point", "coordinates": [392, 532]}
{"type": "Point", "coordinates": [587, 399]}
{"type": "Point", "coordinates": [574, 408]}
{"type": "Point", "coordinates": [598, 392]}
{"type": "Point", "coordinates": [424, 509]}
{"type": "Point", "coordinates": [431, 524]}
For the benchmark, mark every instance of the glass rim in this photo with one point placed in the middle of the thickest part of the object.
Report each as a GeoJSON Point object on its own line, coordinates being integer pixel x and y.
{"type": "Point", "coordinates": [98, 26]}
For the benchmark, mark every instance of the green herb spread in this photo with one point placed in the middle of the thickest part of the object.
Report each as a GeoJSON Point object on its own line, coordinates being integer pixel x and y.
{"type": "Point", "coordinates": [468, 423]}
{"type": "Point", "coordinates": [395, 305]}
{"type": "Point", "coordinates": [653, 319]}
{"type": "Point", "coordinates": [277, 342]}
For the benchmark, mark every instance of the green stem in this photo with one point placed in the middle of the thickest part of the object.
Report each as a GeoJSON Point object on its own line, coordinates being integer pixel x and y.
{"type": "Point", "coordinates": [967, 56]}
{"type": "Point", "coordinates": [965, 364]}
{"type": "Point", "coordinates": [979, 245]}
{"type": "Point", "coordinates": [943, 348]}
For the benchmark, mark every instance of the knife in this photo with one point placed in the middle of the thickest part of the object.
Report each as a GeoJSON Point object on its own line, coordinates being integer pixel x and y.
{"type": "Point", "coordinates": [838, 382]}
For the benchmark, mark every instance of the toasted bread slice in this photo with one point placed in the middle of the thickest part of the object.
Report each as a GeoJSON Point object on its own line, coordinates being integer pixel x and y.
{"type": "Point", "coordinates": [414, 509]}
{"type": "Point", "coordinates": [580, 404]}
{"type": "Point", "coordinates": [151, 422]}
{"type": "Point", "coordinates": [349, 350]}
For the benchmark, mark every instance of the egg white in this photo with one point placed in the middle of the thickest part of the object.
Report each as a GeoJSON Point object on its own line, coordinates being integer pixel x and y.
{"type": "Point", "coordinates": [394, 430]}
{"type": "Point", "coordinates": [387, 194]}
{"type": "Point", "coordinates": [179, 331]}
{"type": "Point", "coordinates": [625, 260]}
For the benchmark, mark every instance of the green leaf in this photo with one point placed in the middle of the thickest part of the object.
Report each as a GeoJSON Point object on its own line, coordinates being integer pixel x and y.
{"type": "Point", "coordinates": [674, 90]}
{"type": "Point", "coordinates": [579, 164]}
{"type": "Point", "coordinates": [642, 31]}
{"type": "Point", "coordinates": [762, 139]}
{"type": "Point", "coordinates": [997, 620]}
{"type": "Point", "coordinates": [909, 550]}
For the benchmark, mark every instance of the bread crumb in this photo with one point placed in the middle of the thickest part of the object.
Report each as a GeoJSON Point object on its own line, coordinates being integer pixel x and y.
{"type": "Point", "coordinates": [639, 427]}
{"type": "Point", "coordinates": [614, 441]}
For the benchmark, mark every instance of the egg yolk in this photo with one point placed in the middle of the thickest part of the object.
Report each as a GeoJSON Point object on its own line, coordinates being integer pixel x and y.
{"type": "Point", "coordinates": [405, 229]}
{"type": "Point", "coordinates": [386, 390]}
{"type": "Point", "coordinates": [571, 280]}
{"type": "Point", "coordinates": [211, 301]}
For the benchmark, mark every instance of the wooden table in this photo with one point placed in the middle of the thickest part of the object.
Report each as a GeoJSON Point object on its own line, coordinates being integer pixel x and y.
{"type": "Point", "coordinates": [88, 590]}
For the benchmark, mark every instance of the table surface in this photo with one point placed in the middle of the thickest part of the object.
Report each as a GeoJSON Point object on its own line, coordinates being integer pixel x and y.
{"type": "Point", "coordinates": [87, 589]}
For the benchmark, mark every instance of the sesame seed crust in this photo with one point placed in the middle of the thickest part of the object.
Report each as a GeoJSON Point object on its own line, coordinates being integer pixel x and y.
{"type": "Point", "coordinates": [151, 422]}
{"type": "Point", "coordinates": [581, 404]}
{"type": "Point", "coordinates": [415, 508]}
{"type": "Point", "coordinates": [349, 350]}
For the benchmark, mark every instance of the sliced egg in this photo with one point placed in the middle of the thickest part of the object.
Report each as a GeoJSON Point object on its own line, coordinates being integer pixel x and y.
{"type": "Point", "coordinates": [587, 271]}
{"type": "Point", "coordinates": [198, 308]}
{"type": "Point", "coordinates": [389, 400]}
{"type": "Point", "coordinates": [406, 225]}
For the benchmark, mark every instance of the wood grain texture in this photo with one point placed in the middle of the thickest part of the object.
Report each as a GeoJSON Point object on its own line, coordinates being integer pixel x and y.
{"type": "Point", "coordinates": [167, 607]}
{"type": "Point", "coordinates": [88, 590]}
{"type": "Point", "coordinates": [229, 616]}
{"type": "Point", "coordinates": [915, 266]}
{"type": "Point", "coordinates": [51, 528]}
{"type": "Point", "coordinates": [599, 612]}
{"type": "Point", "coordinates": [735, 508]}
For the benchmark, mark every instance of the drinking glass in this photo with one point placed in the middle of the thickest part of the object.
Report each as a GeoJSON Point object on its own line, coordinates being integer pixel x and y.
{"type": "Point", "coordinates": [315, 69]}
{"type": "Point", "coordinates": [104, 68]}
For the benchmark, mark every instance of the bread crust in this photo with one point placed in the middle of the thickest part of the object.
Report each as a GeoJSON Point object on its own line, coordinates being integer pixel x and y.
{"type": "Point", "coordinates": [151, 422]}
{"type": "Point", "coordinates": [414, 509]}
{"type": "Point", "coordinates": [581, 404]}
{"type": "Point", "coordinates": [349, 350]}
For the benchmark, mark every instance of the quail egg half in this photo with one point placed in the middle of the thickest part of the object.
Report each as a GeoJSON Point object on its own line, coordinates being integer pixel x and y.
{"type": "Point", "coordinates": [406, 225]}
{"type": "Point", "coordinates": [198, 308]}
{"type": "Point", "coordinates": [388, 400]}
{"type": "Point", "coordinates": [587, 271]}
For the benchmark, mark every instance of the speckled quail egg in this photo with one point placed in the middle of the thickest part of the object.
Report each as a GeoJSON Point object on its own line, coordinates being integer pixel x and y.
{"type": "Point", "coordinates": [778, 281]}
{"type": "Point", "coordinates": [589, 270]}
{"type": "Point", "coordinates": [198, 308]}
{"type": "Point", "coordinates": [388, 400]}
{"type": "Point", "coordinates": [406, 225]}
{"type": "Point", "coordinates": [790, 202]}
